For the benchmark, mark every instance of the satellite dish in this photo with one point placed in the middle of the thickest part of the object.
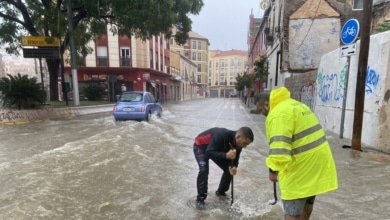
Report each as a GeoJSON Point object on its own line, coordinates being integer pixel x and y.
{"type": "Point", "coordinates": [264, 4]}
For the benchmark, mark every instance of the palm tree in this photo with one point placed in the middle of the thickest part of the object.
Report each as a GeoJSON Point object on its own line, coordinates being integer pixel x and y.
{"type": "Point", "coordinates": [21, 92]}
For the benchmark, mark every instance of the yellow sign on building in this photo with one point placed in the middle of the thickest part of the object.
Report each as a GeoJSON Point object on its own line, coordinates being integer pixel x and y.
{"type": "Point", "coordinates": [40, 41]}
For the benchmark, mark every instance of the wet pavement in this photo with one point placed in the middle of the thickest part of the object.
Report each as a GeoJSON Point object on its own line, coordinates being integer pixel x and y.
{"type": "Point", "coordinates": [92, 167]}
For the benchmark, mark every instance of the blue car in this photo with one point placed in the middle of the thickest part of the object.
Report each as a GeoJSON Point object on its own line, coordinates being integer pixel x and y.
{"type": "Point", "coordinates": [136, 105]}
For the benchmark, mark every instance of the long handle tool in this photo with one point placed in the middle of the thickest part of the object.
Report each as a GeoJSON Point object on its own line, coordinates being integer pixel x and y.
{"type": "Point", "coordinates": [276, 198]}
{"type": "Point", "coordinates": [232, 196]}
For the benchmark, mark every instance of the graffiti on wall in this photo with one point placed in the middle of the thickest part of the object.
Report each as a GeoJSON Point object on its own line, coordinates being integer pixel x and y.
{"type": "Point", "coordinates": [308, 91]}
{"type": "Point", "coordinates": [372, 80]}
{"type": "Point", "coordinates": [308, 95]}
{"type": "Point", "coordinates": [331, 86]}
{"type": "Point", "coordinates": [11, 116]}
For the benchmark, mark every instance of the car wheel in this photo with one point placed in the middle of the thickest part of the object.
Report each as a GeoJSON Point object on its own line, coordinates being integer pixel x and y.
{"type": "Point", "coordinates": [159, 113]}
{"type": "Point", "coordinates": [148, 116]}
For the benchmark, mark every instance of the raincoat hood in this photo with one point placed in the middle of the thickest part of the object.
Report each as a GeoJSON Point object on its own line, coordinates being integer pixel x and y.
{"type": "Point", "coordinates": [277, 96]}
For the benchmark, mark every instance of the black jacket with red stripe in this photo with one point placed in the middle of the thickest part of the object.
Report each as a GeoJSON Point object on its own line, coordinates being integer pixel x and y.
{"type": "Point", "coordinates": [218, 141]}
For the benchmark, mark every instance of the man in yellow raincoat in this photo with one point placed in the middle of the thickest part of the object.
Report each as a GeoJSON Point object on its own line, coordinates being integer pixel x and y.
{"type": "Point", "coordinates": [300, 158]}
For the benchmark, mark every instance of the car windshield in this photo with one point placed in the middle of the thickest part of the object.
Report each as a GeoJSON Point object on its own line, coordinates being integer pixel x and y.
{"type": "Point", "coordinates": [130, 97]}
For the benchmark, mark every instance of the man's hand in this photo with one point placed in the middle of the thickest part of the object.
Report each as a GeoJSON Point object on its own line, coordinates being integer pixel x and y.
{"type": "Point", "coordinates": [231, 154]}
{"type": "Point", "coordinates": [233, 170]}
{"type": "Point", "coordinates": [273, 176]}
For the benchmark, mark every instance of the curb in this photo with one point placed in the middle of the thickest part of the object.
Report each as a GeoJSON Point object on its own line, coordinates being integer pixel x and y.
{"type": "Point", "coordinates": [19, 117]}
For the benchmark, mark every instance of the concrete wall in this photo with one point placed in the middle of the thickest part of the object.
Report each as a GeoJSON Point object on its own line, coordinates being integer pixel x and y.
{"type": "Point", "coordinates": [9, 116]}
{"type": "Point", "coordinates": [329, 87]}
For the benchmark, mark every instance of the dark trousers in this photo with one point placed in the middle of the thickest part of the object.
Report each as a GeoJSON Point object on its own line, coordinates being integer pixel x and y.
{"type": "Point", "coordinates": [202, 179]}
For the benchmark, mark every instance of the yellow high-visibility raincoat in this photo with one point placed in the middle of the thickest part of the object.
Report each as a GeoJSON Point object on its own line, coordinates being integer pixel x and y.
{"type": "Point", "coordinates": [299, 150]}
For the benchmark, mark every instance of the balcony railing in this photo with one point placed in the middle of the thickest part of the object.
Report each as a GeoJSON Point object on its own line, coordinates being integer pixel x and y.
{"type": "Point", "coordinates": [102, 61]}
{"type": "Point", "coordinates": [125, 61]}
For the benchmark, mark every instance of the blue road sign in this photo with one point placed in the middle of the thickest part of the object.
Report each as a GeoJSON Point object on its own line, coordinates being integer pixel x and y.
{"type": "Point", "coordinates": [350, 31]}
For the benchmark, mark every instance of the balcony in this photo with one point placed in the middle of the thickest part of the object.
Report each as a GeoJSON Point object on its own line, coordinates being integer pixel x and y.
{"type": "Point", "coordinates": [102, 61]}
{"type": "Point", "coordinates": [125, 61]}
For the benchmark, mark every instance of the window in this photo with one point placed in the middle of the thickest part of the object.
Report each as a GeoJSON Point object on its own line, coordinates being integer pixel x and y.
{"type": "Point", "coordinates": [357, 5]}
{"type": "Point", "coordinates": [193, 44]}
{"type": "Point", "coordinates": [186, 54]}
{"type": "Point", "coordinates": [199, 57]}
{"type": "Point", "coordinates": [199, 45]}
{"type": "Point", "coordinates": [193, 56]}
{"type": "Point", "coordinates": [199, 67]}
{"type": "Point", "coordinates": [151, 58]}
{"type": "Point", "coordinates": [125, 56]}
{"type": "Point", "coordinates": [101, 55]}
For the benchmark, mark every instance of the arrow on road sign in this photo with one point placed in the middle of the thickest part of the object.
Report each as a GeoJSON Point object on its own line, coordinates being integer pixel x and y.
{"type": "Point", "coordinates": [348, 50]}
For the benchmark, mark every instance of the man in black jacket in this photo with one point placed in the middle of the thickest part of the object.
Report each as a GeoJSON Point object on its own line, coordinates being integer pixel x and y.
{"type": "Point", "coordinates": [222, 146]}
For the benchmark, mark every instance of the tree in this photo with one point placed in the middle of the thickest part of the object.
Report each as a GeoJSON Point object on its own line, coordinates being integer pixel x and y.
{"type": "Point", "coordinates": [93, 92]}
{"type": "Point", "coordinates": [21, 92]}
{"type": "Point", "coordinates": [261, 68]}
{"type": "Point", "coordinates": [245, 81]}
{"type": "Point", "coordinates": [140, 18]}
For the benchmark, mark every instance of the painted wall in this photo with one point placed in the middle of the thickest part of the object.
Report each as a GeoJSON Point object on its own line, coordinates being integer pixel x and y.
{"type": "Point", "coordinates": [329, 86]}
{"type": "Point", "coordinates": [320, 36]}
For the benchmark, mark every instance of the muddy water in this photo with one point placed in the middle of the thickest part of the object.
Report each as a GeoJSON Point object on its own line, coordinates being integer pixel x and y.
{"type": "Point", "coordinates": [92, 167]}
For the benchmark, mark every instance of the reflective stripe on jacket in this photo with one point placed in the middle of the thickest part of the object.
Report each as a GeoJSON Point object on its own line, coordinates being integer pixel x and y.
{"type": "Point", "coordinates": [299, 150]}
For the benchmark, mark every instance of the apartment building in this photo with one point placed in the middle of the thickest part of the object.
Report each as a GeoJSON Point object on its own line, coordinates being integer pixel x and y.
{"type": "Point", "coordinates": [120, 61]}
{"type": "Point", "coordinates": [183, 71]}
{"type": "Point", "coordinates": [223, 68]}
{"type": "Point", "coordinates": [257, 47]}
{"type": "Point", "coordinates": [196, 50]}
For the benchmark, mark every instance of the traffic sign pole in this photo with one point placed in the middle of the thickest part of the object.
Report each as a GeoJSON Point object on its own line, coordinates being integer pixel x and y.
{"type": "Point", "coordinates": [348, 36]}
{"type": "Point", "coordinates": [361, 76]}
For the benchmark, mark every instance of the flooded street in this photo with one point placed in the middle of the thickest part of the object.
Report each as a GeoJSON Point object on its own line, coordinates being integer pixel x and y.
{"type": "Point", "coordinates": [92, 167]}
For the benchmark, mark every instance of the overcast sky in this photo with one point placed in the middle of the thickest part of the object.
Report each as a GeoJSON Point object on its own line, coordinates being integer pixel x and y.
{"type": "Point", "coordinates": [225, 23]}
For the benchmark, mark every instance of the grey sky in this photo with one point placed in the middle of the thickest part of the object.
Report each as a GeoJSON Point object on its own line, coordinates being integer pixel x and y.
{"type": "Point", "coordinates": [225, 22]}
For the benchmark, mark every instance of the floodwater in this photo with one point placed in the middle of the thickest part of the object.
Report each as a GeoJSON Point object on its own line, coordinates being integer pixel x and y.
{"type": "Point", "coordinates": [92, 167]}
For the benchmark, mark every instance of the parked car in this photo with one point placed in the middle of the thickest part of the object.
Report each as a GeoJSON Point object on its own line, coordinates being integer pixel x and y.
{"type": "Point", "coordinates": [136, 105]}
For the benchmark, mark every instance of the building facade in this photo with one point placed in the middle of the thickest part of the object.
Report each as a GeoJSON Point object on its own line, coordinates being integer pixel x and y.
{"type": "Point", "coordinates": [224, 67]}
{"type": "Point", "coordinates": [196, 50]}
{"type": "Point", "coordinates": [257, 48]}
{"type": "Point", "coordinates": [296, 35]}
{"type": "Point", "coordinates": [118, 62]}
{"type": "Point", "coordinates": [183, 71]}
